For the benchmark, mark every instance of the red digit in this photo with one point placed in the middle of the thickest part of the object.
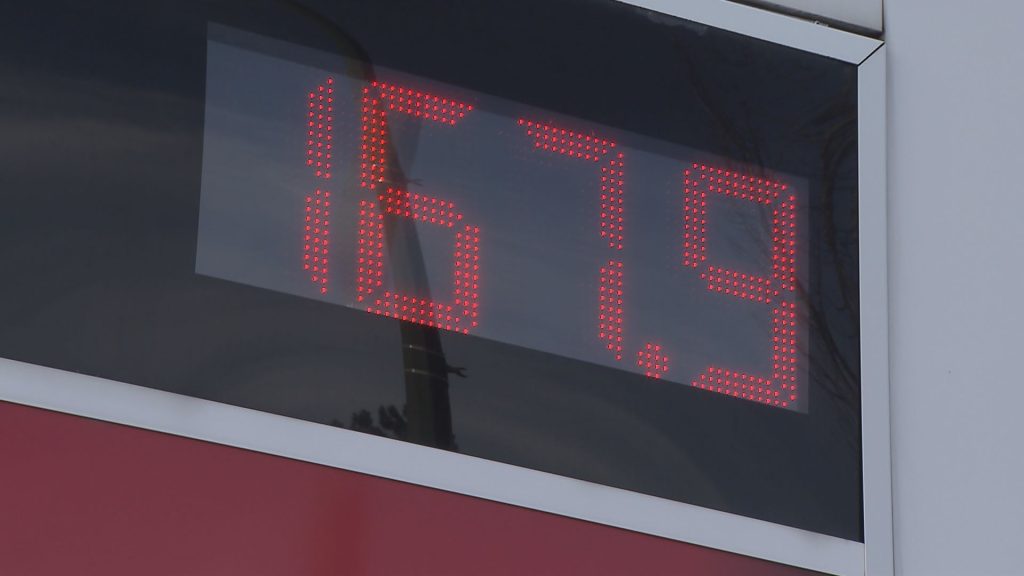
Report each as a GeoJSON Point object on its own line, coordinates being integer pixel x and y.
{"type": "Point", "coordinates": [460, 315]}
{"type": "Point", "coordinates": [781, 388]}
{"type": "Point", "coordinates": [597, 150]}
{"type": "Point", "coordinates": [318, 157]}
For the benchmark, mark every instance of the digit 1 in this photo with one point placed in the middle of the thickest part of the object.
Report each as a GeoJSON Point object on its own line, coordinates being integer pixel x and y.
{"type": "Point", "coordinates": [599, 151]}
{"type": "Point", "coordinates": [778, 290]}
{"type": "Point", "coordinates": [460, 315]}
{"type": "Point", "coordinates": [316, 243]}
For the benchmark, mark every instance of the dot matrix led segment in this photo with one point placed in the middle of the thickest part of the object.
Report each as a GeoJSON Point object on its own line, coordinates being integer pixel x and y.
{"type": "Point", "coordinates": [652, 361]}
{"type": "Point", "coordinates": [700, 180]}
{"type": "Point", "coordinates": [316, 243]}
{"type": "Point", "coordinates": [370, 255]}
{"type": "Point", "coordinates": [610, 318]}
{"type": "Point", "coordinates": [374, 140]}
{"type": "Point", "coordinates": [422, 105]}
{"type": "Point", "coordinates": [612, 221]}
{"type": "Point", "coordinates": [784, 243]}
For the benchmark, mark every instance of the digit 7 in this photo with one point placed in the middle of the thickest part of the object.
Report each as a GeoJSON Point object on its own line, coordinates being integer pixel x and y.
{"type": "Point", "coordinates": [781, 388]}
{"type": "Point", "coordinates": [593, 149]}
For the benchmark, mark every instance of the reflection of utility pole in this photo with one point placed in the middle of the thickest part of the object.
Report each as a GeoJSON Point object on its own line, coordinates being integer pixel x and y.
{"type": "Point", "coordinates": [427, 405]}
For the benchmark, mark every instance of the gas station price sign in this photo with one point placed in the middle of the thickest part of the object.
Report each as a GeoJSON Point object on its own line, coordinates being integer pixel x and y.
{"type": "Point", "coordinates": [562, 240]}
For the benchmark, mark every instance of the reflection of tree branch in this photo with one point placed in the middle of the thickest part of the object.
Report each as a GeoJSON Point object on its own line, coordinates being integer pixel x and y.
{"type": "Point", "coordinates": [739, 138]}
{"type": "Point", "coordinates": [393, 424]}
{"type": "Point", "coordinates": [836, 127]}
{"type": "Point", "coordinates": [832, 130]}
{"type": "Point", "coordinates": [840, 143]}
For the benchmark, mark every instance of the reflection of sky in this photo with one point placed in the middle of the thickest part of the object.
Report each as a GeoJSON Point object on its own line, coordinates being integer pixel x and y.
{"type": "Point", "coordinates": [538, 213]}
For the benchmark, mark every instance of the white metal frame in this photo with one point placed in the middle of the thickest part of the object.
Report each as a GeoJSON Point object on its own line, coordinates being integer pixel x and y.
{"type": "Point", "coordinates": [214, 422]}
{"type": "Point", "coordinates": [874, 316]}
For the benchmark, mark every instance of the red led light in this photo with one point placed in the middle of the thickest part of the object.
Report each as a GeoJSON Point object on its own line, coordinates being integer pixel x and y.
{"type": "Point", "coordinates": [374, 140]}
{"type": "Point", "coordinates": [421, 104]}
{"type": "Point", "coordinates": [316, 244]}
{"type": "Point", "coordinates": [781, 388]}
{"type": "Point", "coordinates": [380, 99]}
{"type": "Point", "coordinates": [590, 148]}
{"type": "Point", "coordinates": [610, 316]}
{"type": "Point", "coordinates": [370, 257]}
{"type": "Point", "coordinates": [611, 202]}
{"type": "Point", "coordinates": [652, 361]}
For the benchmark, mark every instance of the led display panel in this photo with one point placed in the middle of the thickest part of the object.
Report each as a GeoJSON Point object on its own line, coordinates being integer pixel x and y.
{"type": "Point", "coordinates": [472, 214]}
{"type": "Point", "coordinates": [577, 237]}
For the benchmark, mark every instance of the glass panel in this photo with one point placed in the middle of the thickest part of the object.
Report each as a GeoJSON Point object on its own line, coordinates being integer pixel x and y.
{"type": "Point", "coordinates": [578, 237]}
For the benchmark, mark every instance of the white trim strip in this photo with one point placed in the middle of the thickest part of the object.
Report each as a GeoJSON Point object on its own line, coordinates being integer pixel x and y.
{"type": "Point", "coordinates": [765, 25]}
{"type": "Point", "coordinates": [863, 13]}
{"type": "Point", "coordinates": [271, 434]}
{"type": "Point", "coordinates": [874, 317]}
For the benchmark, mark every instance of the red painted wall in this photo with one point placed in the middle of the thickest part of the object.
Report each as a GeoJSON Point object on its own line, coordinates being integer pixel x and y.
{"type": "Point", "coordinates": [81, 497]}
